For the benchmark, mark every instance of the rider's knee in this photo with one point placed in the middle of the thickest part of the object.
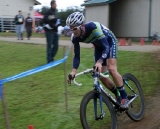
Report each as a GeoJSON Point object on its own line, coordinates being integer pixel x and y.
{"type": "Point", "coordinates": [112, 70]}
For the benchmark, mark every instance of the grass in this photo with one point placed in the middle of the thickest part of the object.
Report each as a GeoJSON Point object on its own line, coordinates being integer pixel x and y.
{"type": "Point", "coordinates": [39, 99]}
{"type": "Point", "coordinates": [35, 35]}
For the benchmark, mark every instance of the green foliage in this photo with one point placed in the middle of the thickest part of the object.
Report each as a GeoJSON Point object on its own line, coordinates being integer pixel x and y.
{"type": "Point", "coordinates": [62, 14]}
{"type": "Point", "coordinates": [43, 10]}
{"type": "Point", "coordinates": [39, 99]}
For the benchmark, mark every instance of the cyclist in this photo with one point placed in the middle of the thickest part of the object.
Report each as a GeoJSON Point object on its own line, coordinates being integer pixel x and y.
{"type": "Point", "coordinates": [105, 52]}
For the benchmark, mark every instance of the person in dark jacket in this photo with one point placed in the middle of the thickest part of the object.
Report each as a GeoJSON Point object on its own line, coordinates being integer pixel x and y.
{"type": "Point", "coordinates": [28, 26]}
{"type": "Point", "coordinates": [51, 27]}
{"type": "Point", "coordinates": [19, 20]}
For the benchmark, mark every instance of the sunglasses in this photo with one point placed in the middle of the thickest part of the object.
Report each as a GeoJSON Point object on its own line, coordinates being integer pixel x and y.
{"type": "Point", "coordinates": [75, 28]}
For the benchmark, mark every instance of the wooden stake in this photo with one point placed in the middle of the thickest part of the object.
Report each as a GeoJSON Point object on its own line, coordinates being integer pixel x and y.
{"type": "Point", "coordinates": [65, 81]}
{"type": "Point", "coordinates": [4, 105]}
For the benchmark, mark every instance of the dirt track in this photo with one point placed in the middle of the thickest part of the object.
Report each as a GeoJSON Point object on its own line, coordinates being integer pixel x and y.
{"type": "Point", "coordinates": [151, 118]}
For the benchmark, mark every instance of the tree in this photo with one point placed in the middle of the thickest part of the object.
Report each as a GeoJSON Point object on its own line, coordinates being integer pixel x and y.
{"type": "Point", "coordinates": [43, 10]}
{"type": "Point", "coordinates": [62, 14]}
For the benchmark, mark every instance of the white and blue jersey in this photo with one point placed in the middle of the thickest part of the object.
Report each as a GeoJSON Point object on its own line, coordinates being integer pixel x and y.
{"type": "Point", "coordinates": [104, 41]}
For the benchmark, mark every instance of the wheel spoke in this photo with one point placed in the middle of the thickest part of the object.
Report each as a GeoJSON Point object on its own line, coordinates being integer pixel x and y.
{"type": "Point", "coordinates": [103, 120]}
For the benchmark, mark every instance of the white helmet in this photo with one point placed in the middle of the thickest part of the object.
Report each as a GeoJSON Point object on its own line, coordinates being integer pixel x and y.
{"type": "Point", "coordinates": [75, 19]}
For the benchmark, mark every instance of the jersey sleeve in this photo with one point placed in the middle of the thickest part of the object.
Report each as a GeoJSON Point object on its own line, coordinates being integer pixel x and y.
{"type": "Point", "coordinates": [76, 58]}
{"type": "Point", "coordinates": [105, 45]}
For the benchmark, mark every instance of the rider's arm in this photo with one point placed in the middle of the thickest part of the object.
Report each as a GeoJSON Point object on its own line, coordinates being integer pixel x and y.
{"type": "Point", "coordinates": [76, 58]}
{"type": "Point", "coordinates": [104, 43]}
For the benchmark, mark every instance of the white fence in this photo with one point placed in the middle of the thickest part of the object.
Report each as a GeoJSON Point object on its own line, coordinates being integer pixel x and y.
{"type": "Point", "coordinates": [7, 24]}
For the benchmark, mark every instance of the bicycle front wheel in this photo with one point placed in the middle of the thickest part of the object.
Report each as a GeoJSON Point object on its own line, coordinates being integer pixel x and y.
{"type": "Point", "coordinates": [137, 107]}
{"type": "Point", "coordinates": [87, 112]}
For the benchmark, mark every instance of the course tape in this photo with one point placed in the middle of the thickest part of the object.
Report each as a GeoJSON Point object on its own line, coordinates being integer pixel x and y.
{"type": "Point", "coordinates": [35, 70]}
{"type": "Point", "coordinates": [32, 71]}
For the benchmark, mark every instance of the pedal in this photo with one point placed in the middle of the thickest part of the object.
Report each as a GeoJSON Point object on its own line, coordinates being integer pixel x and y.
{"type": "Point", "coordinates": [119, 112]}
{"type": "Point", "coordinates": [130, 97]}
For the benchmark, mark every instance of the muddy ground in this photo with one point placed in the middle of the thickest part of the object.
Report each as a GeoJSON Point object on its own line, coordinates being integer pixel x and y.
{"type": "Point", "coordinates": [151, 119]}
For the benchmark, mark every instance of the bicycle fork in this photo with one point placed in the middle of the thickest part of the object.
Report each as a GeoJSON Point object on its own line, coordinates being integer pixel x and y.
{"type": "Point", "coordinates": [98, 95]}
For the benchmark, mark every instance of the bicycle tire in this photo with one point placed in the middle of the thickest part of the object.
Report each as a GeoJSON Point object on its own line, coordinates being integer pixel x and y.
{"type": "Point", "coordinates": [140, 109]}
{"type": "Point", "coordinates": [83, 111]}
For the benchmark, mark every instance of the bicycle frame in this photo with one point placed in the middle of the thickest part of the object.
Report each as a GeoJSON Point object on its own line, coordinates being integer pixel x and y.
{"type": "Point", "coordinates": [125, 81]}
{"type": "Point", "coordinates": [99, 88]}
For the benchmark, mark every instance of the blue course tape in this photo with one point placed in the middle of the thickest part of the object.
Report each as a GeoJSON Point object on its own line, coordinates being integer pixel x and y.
{"type": "Point", "coordinates": [35, 70]}
{"type": "Point", "coordinates": [32, 71]}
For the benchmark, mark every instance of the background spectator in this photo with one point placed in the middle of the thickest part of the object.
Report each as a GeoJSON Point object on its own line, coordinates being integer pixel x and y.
{"type": "Point", "coordinates": [51, 28]}
{"type": "Point", "coordinates": [19, 20]}
{"type": "Point", "coordinates": [28, 26]}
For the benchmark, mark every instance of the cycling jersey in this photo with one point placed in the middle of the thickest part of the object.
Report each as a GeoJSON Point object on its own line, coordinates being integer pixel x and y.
{"type": "Point", "coordinates": [102, 38]}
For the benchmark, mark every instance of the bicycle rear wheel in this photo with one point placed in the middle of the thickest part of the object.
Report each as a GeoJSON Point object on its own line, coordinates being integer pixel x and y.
{"type": "Point", "coordinates": [137, 107]}
{"type": "Point", "coordinates": [87, 113]}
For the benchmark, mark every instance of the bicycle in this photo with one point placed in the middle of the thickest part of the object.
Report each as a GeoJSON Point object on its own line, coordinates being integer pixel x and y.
{"type": "Point", "coordinates": [101, 113]}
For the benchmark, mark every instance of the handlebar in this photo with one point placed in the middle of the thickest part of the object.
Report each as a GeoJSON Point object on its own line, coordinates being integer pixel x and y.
{"type": "Point", "coordinates": [86, 72]}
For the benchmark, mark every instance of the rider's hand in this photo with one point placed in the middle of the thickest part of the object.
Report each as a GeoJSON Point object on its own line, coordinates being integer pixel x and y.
{"type": "Point", "coordinates": [71, 76]}
{"type": "Point", "coordinates": [98, 66]}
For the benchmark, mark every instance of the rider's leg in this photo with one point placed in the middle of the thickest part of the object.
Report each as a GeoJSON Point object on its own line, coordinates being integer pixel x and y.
{"type": "Point", "coordinates": [108, 83]}
{"type": "Point", "coordinates": [112, 68]}
{"type": "Point", "coordinates": [111, 64]}
{"type": "Point", "coordinates": [117, 78]}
